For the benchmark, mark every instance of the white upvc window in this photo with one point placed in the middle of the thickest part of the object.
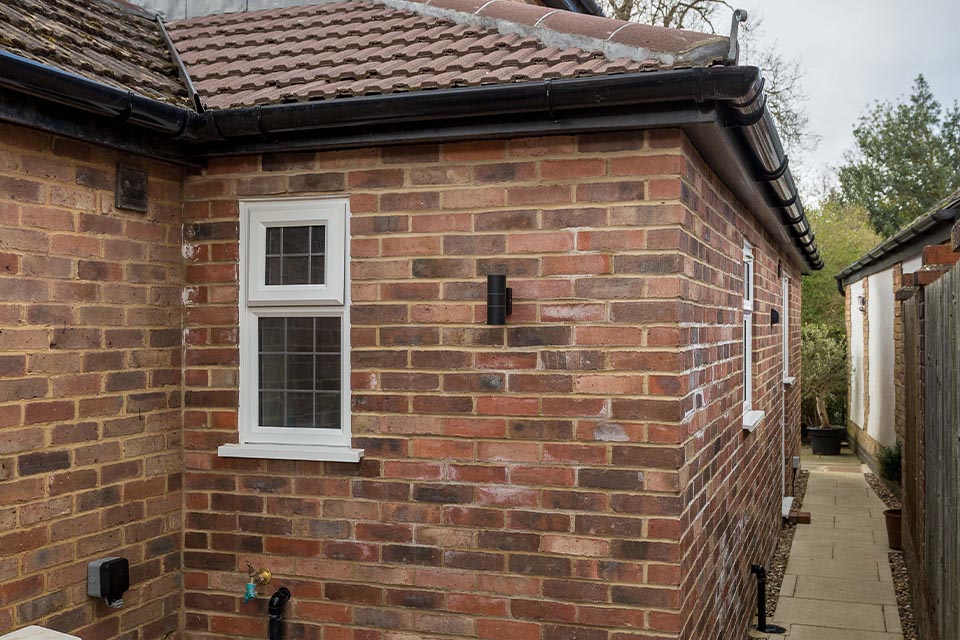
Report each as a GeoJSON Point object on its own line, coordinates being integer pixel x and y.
{"type": "Point", "coordinates": [788, 378]}
{"type": "Point", "coordinates": [751, 418]}
{"type": "Point", "coordinates": [294, 331]}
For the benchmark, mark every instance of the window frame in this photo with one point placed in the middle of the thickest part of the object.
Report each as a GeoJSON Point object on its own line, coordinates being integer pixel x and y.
{"type": "Point", "coordinates": [751, 418]}
{"type": "Point", "coordinates": [331, 299]}
{"type": "Point", "coordinates": [788, 379]}
{"type": "Point", "coordinates": [257, 216]}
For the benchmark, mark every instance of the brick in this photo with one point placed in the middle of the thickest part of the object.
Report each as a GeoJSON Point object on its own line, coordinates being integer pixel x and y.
{"type": "Point", "coordinates": [42, 462]}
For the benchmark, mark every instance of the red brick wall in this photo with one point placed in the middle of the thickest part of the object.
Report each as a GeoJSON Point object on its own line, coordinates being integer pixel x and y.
{"type": "Point", "coordinates": [731, 493]}
{"type": "Point", "coordinates": [90, 419]}
{"type": "Point", "coordinates": [522, 481]}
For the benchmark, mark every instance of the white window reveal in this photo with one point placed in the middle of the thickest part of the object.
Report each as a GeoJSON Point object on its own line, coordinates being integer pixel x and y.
{"type": "Point", "coordinates": [751, 418]}
{"type": "Point", "coordinates": [294, 331]}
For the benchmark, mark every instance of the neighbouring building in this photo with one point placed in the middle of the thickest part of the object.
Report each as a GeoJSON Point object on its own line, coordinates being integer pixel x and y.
{"type": "Point", "coordinates": [243, 320]}
{"type": "Point", "coordinates": [920, 279]}
{"type": "Point", "coordinates": [917, 255]}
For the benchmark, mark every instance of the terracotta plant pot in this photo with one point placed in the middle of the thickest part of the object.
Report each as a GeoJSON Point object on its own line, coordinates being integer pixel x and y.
{"type": "Point", "coordinates": [826, 442]}
{"type": "Point", "coordinates": [892, 517]}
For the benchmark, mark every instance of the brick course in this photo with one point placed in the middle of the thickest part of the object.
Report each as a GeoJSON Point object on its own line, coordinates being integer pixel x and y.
{"type": "Point", "coordinates": [90, 419]}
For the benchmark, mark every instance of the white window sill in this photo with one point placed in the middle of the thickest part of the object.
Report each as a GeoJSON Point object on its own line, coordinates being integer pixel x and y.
{"type": "Point", "coordinates": [752, 419]}
{"type": "Point", "coordinates": [290, 452]}
{"type": "Point", "coordinates": [789, 381]}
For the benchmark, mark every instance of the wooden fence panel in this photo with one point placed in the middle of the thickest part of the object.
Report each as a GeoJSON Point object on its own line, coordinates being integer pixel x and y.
{"type": "Point", "coordinates": [942, 452]}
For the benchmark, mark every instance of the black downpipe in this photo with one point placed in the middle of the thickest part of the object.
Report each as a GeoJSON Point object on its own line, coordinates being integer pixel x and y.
{"type": "Point", "coordinates": [275, 612]}
{"type": "Point", "coordinates": [762, 626]}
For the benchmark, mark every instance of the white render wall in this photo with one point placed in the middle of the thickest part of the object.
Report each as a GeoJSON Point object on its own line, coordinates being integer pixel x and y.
{"type": "Point", "coordinates": [856, 355]}
{"type": "Point", "coordinates": [881, 418]}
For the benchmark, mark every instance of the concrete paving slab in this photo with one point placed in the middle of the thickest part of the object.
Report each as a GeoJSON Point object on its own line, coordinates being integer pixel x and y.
{"type": "Point", "coordinates": [831, 614]}
{"type": "Point", "coordinates": [844, 590]}
{"type": "Point", "coordinates": [788, 585]}
{"type": "Point", "coordinates": [827, 534]}
{"type": "Point", "coordinates": [805, 632]}
{"type": "Point", "coordinates": [876, 552]}
{"type": "Point", "coordinates": [855, 522]}
{"type": "Point", "coordinates": [891, 615]}
{"type": "Point", "coordinates": [811, 549]}
{"type": "Point", "coordinates": [843, 568]}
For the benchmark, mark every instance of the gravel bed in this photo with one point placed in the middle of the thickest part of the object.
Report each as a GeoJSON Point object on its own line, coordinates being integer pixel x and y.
{"type": "Point", "coordinates": [901, 579]}
{"type": "Point", "coordinates": [782, 552]}
{"type": "Point", "coordinates": [882, 492]}
{"type": "Point", "coordinates": [901, 582]}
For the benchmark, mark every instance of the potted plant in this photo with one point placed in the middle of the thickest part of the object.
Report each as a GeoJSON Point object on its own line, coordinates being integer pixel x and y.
{"type": "Point", "coordinates": [824, 378]}
{"type": "Point", "coordinates": [889, 461]}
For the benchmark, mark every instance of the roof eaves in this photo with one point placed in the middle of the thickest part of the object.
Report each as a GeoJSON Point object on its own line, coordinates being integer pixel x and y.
{"type": "Point", "coordinates": [914, 234]}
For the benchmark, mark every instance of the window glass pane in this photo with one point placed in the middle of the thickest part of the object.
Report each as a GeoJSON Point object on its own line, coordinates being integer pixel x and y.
{"type": "Point", "coordinates": [299, 372]}
{"type": "Point", "coordinates": [295, 255]}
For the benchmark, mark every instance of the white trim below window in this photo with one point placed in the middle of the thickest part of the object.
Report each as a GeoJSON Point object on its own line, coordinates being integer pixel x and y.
{"type": "Point", "coordinates": [290, 452]}
{"type": "Point", "coordinates": [752, 419]}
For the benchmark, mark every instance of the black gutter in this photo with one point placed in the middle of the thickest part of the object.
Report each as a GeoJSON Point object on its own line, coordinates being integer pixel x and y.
{"type": "Point", "coordinates": [547, 97]}
{"type": "Point", "coordinates": [123, 107]}
{"type": "Point", "coordinates": [738, 92]}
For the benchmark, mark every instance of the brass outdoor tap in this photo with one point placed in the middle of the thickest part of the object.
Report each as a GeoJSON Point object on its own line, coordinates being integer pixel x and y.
{"type": "Point", "coordinates": [260, 577]}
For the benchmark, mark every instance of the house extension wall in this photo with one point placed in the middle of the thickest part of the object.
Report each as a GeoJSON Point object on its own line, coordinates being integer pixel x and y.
{"type": "Point", "coordinates": [518, 480]}
{"type": "Point", "coordinates": [90, 340]}
{"type": "Point", "coordinates": [731, 480]}
{"type": "Point", "coordinates": [580, 473]}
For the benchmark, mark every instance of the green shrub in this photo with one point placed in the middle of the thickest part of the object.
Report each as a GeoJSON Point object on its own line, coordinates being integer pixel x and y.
{"type": "Point", "coordinates": [825, 371]}
{"type": "Point", "coordinates": [888, 460]}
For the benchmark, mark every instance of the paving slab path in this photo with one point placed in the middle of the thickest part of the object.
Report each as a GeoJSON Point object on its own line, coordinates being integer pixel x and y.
{"type": "Point", "coordinates": [838, 584]}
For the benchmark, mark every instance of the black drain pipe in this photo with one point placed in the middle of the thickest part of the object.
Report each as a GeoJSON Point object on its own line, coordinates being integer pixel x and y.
{"type": "Point", "coordinates": [761, 573]}
{"type": "Point", "coordinates": [275, 610]}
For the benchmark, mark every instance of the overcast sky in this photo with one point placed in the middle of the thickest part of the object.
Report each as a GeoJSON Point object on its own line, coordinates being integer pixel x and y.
{"type": "Point", "coordinates": [857, 51]}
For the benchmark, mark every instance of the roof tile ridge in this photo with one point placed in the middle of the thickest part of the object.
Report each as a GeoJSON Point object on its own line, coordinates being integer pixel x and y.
{"type": "Point", "coordinates": [590, 33]}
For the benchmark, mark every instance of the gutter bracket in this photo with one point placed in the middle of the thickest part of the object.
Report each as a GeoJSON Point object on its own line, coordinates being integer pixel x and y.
{"type": "Point", "coordinates": [121, 118]}
{"type": "Point", "coordinates": [548, 86]}
{"type": "Point", "coordinates": [733, 54]}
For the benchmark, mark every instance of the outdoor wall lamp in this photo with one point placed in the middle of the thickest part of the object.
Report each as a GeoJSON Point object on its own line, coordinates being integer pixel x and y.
{"type": "Point", "coordinates": [862, 303]}
{"type": "Point", "coordinates": [499, 299]}
{"type": "Point", "coordinates": [774, 317]}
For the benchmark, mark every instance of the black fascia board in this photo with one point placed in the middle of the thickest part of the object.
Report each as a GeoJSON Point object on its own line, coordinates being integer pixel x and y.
{"type": "Point", "coordinates": [737, 92]}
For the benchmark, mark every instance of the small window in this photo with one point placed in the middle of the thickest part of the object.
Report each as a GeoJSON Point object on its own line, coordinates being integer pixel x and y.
{"type": "Point", "coordinates": [294, 331]}
{"type": "Point", "coordinates": [788, 378]}
{"type": "Point", "coordinates": [751, 418]}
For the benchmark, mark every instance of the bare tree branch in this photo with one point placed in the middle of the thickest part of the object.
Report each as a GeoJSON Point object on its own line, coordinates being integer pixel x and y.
{"type": "Point", "coordinates": [785, 96]}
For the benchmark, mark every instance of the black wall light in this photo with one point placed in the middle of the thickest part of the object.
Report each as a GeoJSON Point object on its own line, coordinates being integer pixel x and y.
{"type": "Point", "coordinates": [774, 317]}
{"type": "Point", "coordinates": [499, 299]}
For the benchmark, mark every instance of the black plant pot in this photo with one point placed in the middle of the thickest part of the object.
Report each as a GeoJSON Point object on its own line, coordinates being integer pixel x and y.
{"type": "Point", "coordinates": [826, 442]}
